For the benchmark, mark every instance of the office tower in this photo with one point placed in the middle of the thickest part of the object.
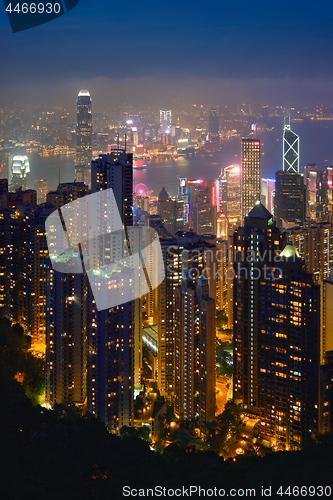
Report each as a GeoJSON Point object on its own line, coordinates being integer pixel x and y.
{"type": "Point", "coordinates": [20, 172]}
{"type": "Point", "coordinates": [290, 151]}
{"type": "Point", "coordinates": [83, 128]}
{"type": "Point", "coordinates": [276, 333]}
{"type": "Point", "coordinates": [187, 252]}
{"type": "Point", "coordinates": [65, 193]}
{"type": "Point", "coordinates": [251, 161]}
{"type": "Point", "coordinates": [289, 200]}
{"type": "Point", "coordinates": [111, 358]}
{"type": "Point", "coordinates": [19, 196]}
{"type": "Point", "coordinates": [221, 226]}
{"type": "Point", "coordinates": [311, 182]}
{"type": "Point", "coordinates": [165, 121]}
{"type": "Point", "coordinates": [3, 193]}
{"type": "Point", "coordinates": [22, 276]}
{"type": "Point", "coordinates": [195, 351]}
{"type": "Point", "coordinates": [213, 126]}
{"type": "Point", "coordinates": [183, 195]}
{"type": "Point", "coordinates": [115, 170]}
{"type": "Point", "coordinates": [9, 259]}
{"type": "Point", "coordinates": [314, 244]}
{"type": "Point", "coordinates": [267, 190]}
{"type": "Point", "coordinates": [202, 211]}
{"type": "Point", "coordinates": [66, 334]}
{"type": "Point", "coordinates": [41, 189]}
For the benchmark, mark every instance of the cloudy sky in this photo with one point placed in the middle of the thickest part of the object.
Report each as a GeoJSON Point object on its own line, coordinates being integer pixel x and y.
{"type": "Point", "coordinates": [260, 49]}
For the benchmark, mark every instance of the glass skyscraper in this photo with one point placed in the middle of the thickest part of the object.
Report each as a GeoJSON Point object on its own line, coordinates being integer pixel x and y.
{"type": "Point", "coordinates": [290, 151]}
{"type": "Point", "coordinates": [83, 128]}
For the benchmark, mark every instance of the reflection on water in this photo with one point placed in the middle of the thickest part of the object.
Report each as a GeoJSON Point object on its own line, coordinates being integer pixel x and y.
{"type": "Point", "coordinates": [315, 146]}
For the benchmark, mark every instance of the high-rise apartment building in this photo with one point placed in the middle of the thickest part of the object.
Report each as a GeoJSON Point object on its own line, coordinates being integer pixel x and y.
{"type": "Point", "coordinates": [276, 333]}
{"type": "Point", "coordinates": [290, 199]}
{"type": "Point", "coordinates": [66, 333]}
{"type": "Point", "coordinates": [251, 165]}
{"type": "Point", "coordinates": [232, 175]}
{"type": "Point", "coordinates": [83, 128]}
{"type": "Point", "coordinates": [165, 121]}
{"type": "Point", "coordinates": [114, 335]}
{"type": "Point", "coordinates": [290, 151]}
{"type": "Point", "coordinates": [194, 351]}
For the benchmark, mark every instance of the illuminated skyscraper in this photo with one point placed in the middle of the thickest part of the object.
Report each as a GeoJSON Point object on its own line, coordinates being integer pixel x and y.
{"type": "Point", "coordinates": [314, 244]}
{"type": "Point", "coordinates": [311, 182]}
{"type": "Point", "coordinates": [203, 212]}
{"type": "Point", "coordinates": [165, 121]}
{"type": "Point", "coordinates": [290, 198]}
{"type": "Point", "coordinates": [83, 128]}
{"type": "Point", "coordinates": [251, 164]}
{"type": "Point", "coordinates": [267, 190]}
{"type": "Point", "coordinates": [42, 190]}
{"type": "Point", "coordinates": [20, 172]}
{"type": "Point", "coordinates": [276, 333]}
{"type": "Point", "coordinates": [290, 151]}
{"type": "Point", "coordinates": [195, 351]}
{"type": "Point", "coordinates": [213, 126]}
{"type": "Point", "coordinates": [66, 334]}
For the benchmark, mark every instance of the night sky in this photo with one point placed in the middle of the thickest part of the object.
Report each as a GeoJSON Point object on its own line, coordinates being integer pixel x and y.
{"type": "Point", "coordinates": [276, 43]}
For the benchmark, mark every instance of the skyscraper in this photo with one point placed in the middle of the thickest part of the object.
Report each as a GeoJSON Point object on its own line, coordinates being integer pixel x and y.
{"type": "Point", "coordinates": [213, 126]}
{"type": "Point", "coordinates": [114, 335]}
{"type": "Point", "coordinates": [232, 175]}
{"type": "Point", "coordinates": [66, 334]}
{"type": "Point", "coordinates": [251, 163]}
{"type": "Point", "coordinates": [290, 151]}
{"type": "Point", "coordinates": [194, 351]}
{"type": "Point", "coordinates": [20, 172]}
{"type": "Point", "coordinates": [83, 128]}
{"type": "Point", "coordinates": [290, 198]}
{"type": "Point", "coordinates": [203, 212]}
{"type": "Point", "coordinates": [42, 190]}
{"type": "Point", "coordinates": [267, 190]}
{"type": "Point", "coordinates": [165, 121]}
{"type": "Point", "coordinates": [311, 182]}
{"type": "Point", "coordinates": [276, 333]}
